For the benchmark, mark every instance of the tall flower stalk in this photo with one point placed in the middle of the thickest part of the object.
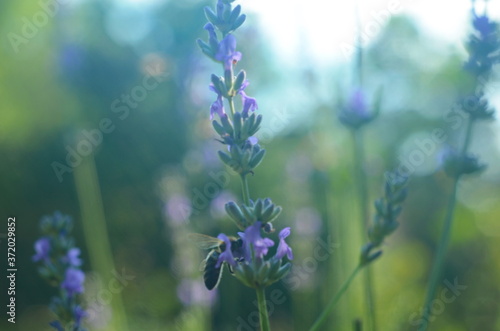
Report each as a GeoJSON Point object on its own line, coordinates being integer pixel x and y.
{"type": "Point", "coordinates": [59, 265]}
{"type": "Point", "coordinates": [483, 47]}
{"type": "Point", "coordinates": [246, 256]}
{"type": "Point", "coordinates": [387, 210]}
{"type": "Point", "coordinates": [355, 114]}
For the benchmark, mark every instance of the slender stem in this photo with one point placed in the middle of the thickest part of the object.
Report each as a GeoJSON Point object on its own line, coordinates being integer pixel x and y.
{"type": "Point", "coordinates": [231, 106]}
{"type": "Point", "coordinates": [328, 309]}
{"type": "Point", "coordinates": [244, 187]}
{"type": "Point", "coordinates": [437, 267]}
{"type": "Point", "coordinates": [359, 160]}
{"type": "Point", "coordinates": [96, 235]}
{"type": "Point", "coordinates": [264, 317]}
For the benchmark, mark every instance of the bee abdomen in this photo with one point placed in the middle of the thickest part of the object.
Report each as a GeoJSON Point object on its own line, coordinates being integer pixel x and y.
{"type": "Point", "coordinates": [212, 274]}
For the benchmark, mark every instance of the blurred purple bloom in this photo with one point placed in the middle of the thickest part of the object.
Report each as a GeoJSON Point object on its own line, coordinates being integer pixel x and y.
{"type": "Point", "coordinates": [42, 249]}
{"type": "Point", "coordinates": [355, 113]}
{"type": "Point", "coordinates": [79, 313]}
{"type": "Point", "coordinates": [357, 103]}
{"type": "Point", "coordinates": [253, 140]}
{"type": "Point", "coordinates": [218, 204]}
{"type": "Point", "coordinates": [253, 240]}
{"type": "Point", "coordinates": [218, 105]}
{"type": "Point", "coordinates": [194, 293]}
{"type": "Point", "coordinates": [249, 103]}
{"type": "Point", "coordinates": [227, 53]}
{"type": "Point", "coordinates": [483, 25]}
{"type": "Point", "coordinates": [72, 257]}
{"type": "Point", "coordinates": [178, 209]}
{"type": "Point", "coordinates": [283, 248]}
{"type": "Point", "coordinates": [227, 255]}
{"type": "Point", "coordinates": [73, 281]}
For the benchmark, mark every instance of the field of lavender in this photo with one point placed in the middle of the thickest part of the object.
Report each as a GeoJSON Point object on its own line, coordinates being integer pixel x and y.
{"type": "Point", "coordinates": [247, 165]}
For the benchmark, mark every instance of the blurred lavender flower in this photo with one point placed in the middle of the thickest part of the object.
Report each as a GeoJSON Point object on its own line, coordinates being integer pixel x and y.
{"type": "Point", "coordinates": [455, 164]}
{"type": "Point", "coordinates": [218, 204]}
{"type": "Point", "coordinates": [283, 248]}
{"type": "Point", "coordinates": [227, 53]}
{"type": "Point", "coordinates": [194, 293]}
{"type": "Point", "coordinates": [73, 281]}
{"type": "Point", "coordinates": [178, 209]}
{"type": "Point", "coordinates": [217, 106]}
{"type": "Point", "coordinates": [42, 249]}
{"type": "Point", "coordinates": [355, 113]}
{"type": "Point", "coordinates": [483, 45]}
{"type": "Point", "coordinates": [72, 257]}
{"type": "Point", "coordinates": [59, 266]}
{"type": "Point", "coordinates": [483, 25]}
{"type": "Point", "coordinates": [249, 104]}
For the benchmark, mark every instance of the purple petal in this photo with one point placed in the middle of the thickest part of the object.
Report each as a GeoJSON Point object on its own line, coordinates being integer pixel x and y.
{"type": "Point", "coordinates": [42, 249]}
{"type": "Point", "coordinates": [73, 281]}
{"type": "Point", "coordinates": [227, 255]}
{"type": "Point", "coordinates": [283, 248]}
{"type": "Point", "coordinates": [72, 257]}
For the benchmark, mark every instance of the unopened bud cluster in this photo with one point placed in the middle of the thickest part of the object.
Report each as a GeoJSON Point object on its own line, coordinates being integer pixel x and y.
{"type": "Point", "coordinates": [387, 208]}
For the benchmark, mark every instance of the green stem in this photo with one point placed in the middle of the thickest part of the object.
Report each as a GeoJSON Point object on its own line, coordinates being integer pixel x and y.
{"type": "Point", "coordinates": [231, 106]}
{"type": "Point", "coordinates": [328, 309]}
{"type": "Point", "coordinates": [245, 190]}
{"type": "Point", "coordinates": [359, 160]}
{"type": "Point", "coordinates": [264, 317]}
{"type": "Point", "coordinates": [437, 267]}
{"type": "Point", "coordinates": [96, 235]}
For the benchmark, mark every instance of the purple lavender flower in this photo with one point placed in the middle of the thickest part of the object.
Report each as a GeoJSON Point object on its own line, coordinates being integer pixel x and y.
{"type": "Point", "coordinates": [483, 25]}
{"type": "Point", "coordinates": [72, 257]}
{"type": "Point", "coordinates": [79, 313]}
{"type": "Point", "coordinates": [194, 293]}
{"type": "Point", "coordinates": [357, 103]}
{"type": "Point", "coordinates": [253, 140]}
{"type": "Point", "coordinates": [218, 105]}
{"type": "Point", "coordinates": [73, 281]}
{"type": "Point", "coordinates": [227, 255]}
{"type": "Point", "coordinates": [283, 248]}
{"type": "Point", "coordinates": [355, 113]}
{"type": "Point", "coordinates": [252, 240]}
{"type": "Point", "coordinates": [218, 204]}
{"type": "Point", "coordinates": [42, 248]}
{"type": "Point", "coordinates": [178, 209]}
{"type": "Point", "coordinates": [227, 53]}
{"type": "Point", "coordinates": [249, 103]}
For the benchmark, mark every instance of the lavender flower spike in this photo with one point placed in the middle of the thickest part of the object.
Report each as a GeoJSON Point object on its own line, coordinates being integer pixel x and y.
{"type": "Point", "coordinates": [283, 248]}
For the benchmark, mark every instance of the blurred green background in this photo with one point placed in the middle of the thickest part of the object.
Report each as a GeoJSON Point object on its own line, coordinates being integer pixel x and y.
{"type": "Point", "coordinates": [124, 84]}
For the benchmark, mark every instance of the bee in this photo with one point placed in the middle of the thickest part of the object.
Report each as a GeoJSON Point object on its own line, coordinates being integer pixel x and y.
{"type": "Point", "coordinates": [212, 274]}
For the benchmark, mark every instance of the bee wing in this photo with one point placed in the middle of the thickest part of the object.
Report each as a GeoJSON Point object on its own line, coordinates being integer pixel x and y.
{"type": "Point", "coordinates": [204, 241]}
